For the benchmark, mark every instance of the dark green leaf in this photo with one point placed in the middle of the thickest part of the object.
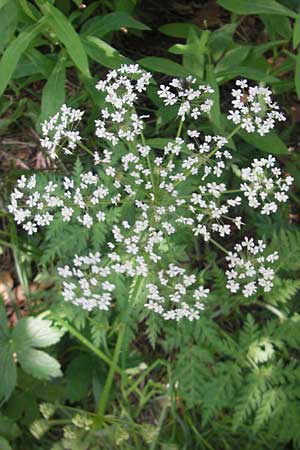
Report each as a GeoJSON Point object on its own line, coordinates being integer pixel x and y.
{"type": "Point", "coordinates": [8, 23]}
{"type": "Point", "coordinates": [271, 143]}
{"type": "Point", "coordinates": [297, 75]}
{"type": "Point", "coordinates": [179, 30]}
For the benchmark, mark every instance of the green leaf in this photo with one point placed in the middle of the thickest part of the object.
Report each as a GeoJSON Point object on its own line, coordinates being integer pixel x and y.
{"type": "Point", "coordinates": [3, 3]}
{"type": "Point", "coordinates": [296, 33]}
{"type": "Point", "coordinates": [14, 51]}
{"type": "Point", "coordinates": [4, 444]}
{"type": "Point", "coordinates": [297, 75]}
{"type": "Point", "coordinates": [39, 364]}
{"type": "Point", "coordinates": [8, 372]}
{"type": "Point", "coordinates": [163, 65]}
{"type": "Point", "coordinates": [233, 58]}
{"type": "Point", "coordinates": [245, 71]}
{"type": "Point", "coordinates": [34, 332]}
{"type": "Point", "coordinates": [67, 35]}
{"type": "Point", "coordinates": [256, 7]}
{"type": "Point", "coordinates": [4, 331]}
{"type": "Point", "coordinates": [101, 25]}
{"type": "Point", "coordinates": [8, 23]}
{"type": "Point", "coordinates": [54, 90]}
{"type": "Point", "coordinates": [103, 53]}
{"type": "Point", "coordinates": [179, 30]}
{"type": "Point", "coordinates": [271, 143]}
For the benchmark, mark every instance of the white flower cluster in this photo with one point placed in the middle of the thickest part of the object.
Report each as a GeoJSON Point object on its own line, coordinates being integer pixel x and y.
{"type": "Point", "coordinates": [165, 191]}
{"type": "Point", "coordinates": [264, 186]}
{"type": "Point", "coordinates": [254, 109]}
{"type": "Point", "coordinates": [59, 132]}
{"type": "Point", "coordinates": [85, 202]}
{"type": "Point", "coordinates": [188, 95]}
{"type": "Point", "coordinates": [172, 295]}
{"type": "Point", "coordinates": [87, 283]}
{"type": "Point", "coordinates": [249, 269]}
{"type": "Point", "coordinates": [119, 119]}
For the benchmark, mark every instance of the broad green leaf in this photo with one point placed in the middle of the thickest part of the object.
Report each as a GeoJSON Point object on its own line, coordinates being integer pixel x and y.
{"type": "Point", "coordinates": [67, 35]}
{"type": "Point", "coordinates": [103, 53]}
{"type": "Point", "coordinates": [158, 142]}
{"type": "Point", "coordinates": [8, 371]}
{"type": "Point", "coordinates": [3, 3]}
{"type": "Point", "coordinates": [277, 26]}
{"type": "Point", "coordinates": [297, 75]}
{"type": "Point", "coordinates": [101, 25]}
{"type": "Point", "coordinates": [43, 63]}
{"type": "Point", "coordinates": [163, 65]}
{"type": "Point", "coordinates": [34, 332]}
{"type": "Point", "coordinates": [179, 30]}
{"type": "Point", "coordinates": [194, 53]}
{"type": "Point", "coordinates": [256, 7]}
{"type": "Point", "coordinates": [4, 444]}
{"type": "Point", "coordinates": [215, 112]}
{"type": "Point", "coordinates": [14, 51]}
{"type": "Point", "coordinates": [233, 58]}
{"type": "Point", "coordinates": [270, 143]}
{"type": "Point", "coordinates": [296, 33]}
{"type": "Point", "coordinates": [29, 9]}
{"type": "Point", "coordinates": [8, 22]}
{"type": "Point", "coordinates": [4, 331]}
{"type": "Point", "coordinates": [53, 95]}
{"type": "Point", "coordinates": [39, 364]}
{"type": "Point", "coordinates": [247, 72]}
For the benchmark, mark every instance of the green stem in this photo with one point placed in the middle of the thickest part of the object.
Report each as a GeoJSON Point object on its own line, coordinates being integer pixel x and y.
{"type": "Point", "coordinates": [104, 397]}
{"type": "Point", "coordinates": [85, 342]}
{"type": "Point", "coordinates": [179, 128]}
{"type": "Point", "coordinates": [81, 145]}
{"type": "Point", "coordinates": [162, 415]}
{"type": "Point", "coordinates": [219, 246]}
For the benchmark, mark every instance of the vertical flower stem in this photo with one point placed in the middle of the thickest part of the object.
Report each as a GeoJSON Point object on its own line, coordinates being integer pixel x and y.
{"type": "Point", "coordinates": [105, 394]}
{"type": "Point", "coordinates": [179, 128]}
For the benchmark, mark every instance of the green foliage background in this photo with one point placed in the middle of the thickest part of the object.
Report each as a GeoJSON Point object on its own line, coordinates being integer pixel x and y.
{"type": "Point", "coordinates": [232, 379]}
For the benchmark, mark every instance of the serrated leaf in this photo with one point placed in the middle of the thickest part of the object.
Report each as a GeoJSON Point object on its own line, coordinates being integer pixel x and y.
{"type": "Point", "coordinates": [14, 52]}
{"type": "Point", "coordinates": [34, 332]}
{"type": "Point", "coordinates": [66, 33]}
{"type": "Point", "coordinates": [53, 96]}
{"type": "Point", "coordinates": [163, 65]}
{"type": "Point", "coordinates": [39, 364]}
{"type": "Point", "coordinates": [256, 7]}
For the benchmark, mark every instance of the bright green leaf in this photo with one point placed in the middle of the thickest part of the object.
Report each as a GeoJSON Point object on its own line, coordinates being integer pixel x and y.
{"type": "Point", "coordinates": [14, 52]}
{"type": "Point", "coordinates": [54, 90]}
{"type": "Point", "coordinates": [179, 30]}
{"type": "Point", "coordinates": [296, 33]}
{"type": "Point", "coordinates": [256, 7]}
{"type": "Point", "coordinates": [4, 444]}
{"type": "Point", "coordinates": [103, 53]}
{"type": "Point", "coordinates": [101, 25]}
{"type": "Point", "coordinates": [39, 364]}
{"type": "Point", "coordinates": [163, 65]}
{"type": "Point", "coordinates": [68, 36]}
{"type": "Point", "coordinates": [34, 332]}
